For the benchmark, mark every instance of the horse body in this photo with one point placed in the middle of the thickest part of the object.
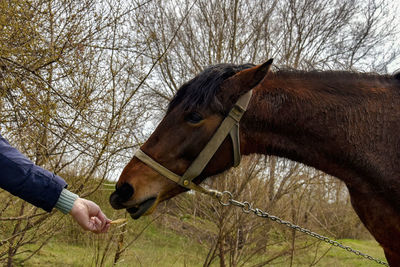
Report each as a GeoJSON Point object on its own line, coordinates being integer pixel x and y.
{"type": "Point", "coordinates": [344, 124]}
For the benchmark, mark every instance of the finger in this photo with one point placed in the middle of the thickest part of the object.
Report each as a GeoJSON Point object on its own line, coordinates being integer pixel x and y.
{"type": "Point", "coordinates": [94, 225]}
{"type": "Point", "coordinates": [96, 211]}
{"type": "Point", "coordinates": [98, 223]}
{"type": "Point", "coordinates": [102, 218]}
{"type": "Point", "coordinates": [105, 229]}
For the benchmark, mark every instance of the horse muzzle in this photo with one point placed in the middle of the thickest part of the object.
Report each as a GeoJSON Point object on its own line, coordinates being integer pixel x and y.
{"type": "Point", "coordinates": [120, 199]}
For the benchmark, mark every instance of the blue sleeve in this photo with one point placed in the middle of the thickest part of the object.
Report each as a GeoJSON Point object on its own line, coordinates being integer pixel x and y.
{"type": "Point", "coordinates": [22, 178]}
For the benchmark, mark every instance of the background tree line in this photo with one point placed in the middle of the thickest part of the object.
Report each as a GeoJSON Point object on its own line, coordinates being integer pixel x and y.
{"type": "Point", "coordinates": [82, 83]}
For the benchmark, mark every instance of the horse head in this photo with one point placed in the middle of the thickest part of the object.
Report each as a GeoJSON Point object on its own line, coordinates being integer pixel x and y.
{"type": "Point", "coordinates": [194, 115]}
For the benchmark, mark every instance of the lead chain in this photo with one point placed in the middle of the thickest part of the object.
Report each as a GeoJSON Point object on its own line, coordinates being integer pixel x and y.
{"type": "Point", "coordinates": [226, 199]}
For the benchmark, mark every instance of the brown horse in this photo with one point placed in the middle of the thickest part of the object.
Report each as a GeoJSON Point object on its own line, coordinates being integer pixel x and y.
{"type": "Point", "coordinates": [345, 124]}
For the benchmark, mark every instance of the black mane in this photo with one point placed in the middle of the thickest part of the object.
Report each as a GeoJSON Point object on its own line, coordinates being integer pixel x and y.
{"type": "Point", "coordinates": [201, 90]}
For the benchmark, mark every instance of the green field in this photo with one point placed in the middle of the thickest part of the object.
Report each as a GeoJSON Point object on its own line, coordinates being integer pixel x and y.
{"type": "Point", "coordinates": [164, 240]}
{"type": "Point", "coordinates": [161, 247]}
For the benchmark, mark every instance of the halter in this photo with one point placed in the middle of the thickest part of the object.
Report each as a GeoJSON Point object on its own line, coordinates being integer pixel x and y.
{"type": "Point", "coordinates": [230, 125]}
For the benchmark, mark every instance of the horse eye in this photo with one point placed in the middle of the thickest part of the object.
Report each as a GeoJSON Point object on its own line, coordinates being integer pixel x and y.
{"type": "Point", "coordinates": [193, 117]}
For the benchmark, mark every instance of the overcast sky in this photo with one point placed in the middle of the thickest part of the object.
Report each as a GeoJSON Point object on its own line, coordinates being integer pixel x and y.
{"type": "Point", "coordinates": [395, 66]}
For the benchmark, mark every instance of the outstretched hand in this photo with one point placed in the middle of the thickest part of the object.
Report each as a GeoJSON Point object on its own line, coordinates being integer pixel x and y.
{"type": "Point", "coordinates": [89, 216]}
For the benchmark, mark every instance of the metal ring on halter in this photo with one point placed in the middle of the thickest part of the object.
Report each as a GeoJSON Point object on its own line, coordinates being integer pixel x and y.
{"type": "Point", "coordinates": [247, 207]}
{"type": "Point", "coordinates": [225, 194]}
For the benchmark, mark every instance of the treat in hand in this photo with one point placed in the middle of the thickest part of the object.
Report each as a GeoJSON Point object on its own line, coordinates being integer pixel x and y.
{"type": "Point", "coordinates": [118, 221]}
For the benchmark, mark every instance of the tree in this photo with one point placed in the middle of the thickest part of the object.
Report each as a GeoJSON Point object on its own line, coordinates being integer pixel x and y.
{"type": "Point", "coordinates": [305, 34]}
{"type": "Point", "coordinates": [69, 99]}
{"type": "Point", "coordinates": [80, 80]}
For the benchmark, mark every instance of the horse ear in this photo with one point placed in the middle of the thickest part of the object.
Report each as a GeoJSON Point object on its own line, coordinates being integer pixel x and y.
{"type": "Point", "coordinates": [243, 81]}
{"type": "Point", "coordinates": [256, 74]}
{"type": "Point", "coordinates": [247, 79]}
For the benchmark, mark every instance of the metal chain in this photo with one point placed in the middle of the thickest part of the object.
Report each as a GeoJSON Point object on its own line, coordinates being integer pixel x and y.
{"type": "Point", "coordinates": [226, 199]}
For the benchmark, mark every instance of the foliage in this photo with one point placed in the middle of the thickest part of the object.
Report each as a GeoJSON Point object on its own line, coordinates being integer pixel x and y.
{"type": "Point", "coordinates": [81, 83]}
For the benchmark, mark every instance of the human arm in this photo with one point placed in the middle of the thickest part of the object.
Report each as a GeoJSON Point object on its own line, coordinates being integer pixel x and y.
{"type": "Point", "coordinates": [22, 178]}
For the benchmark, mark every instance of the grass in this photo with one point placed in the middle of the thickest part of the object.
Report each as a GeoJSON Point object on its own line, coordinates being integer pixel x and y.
{"type": "Point", "coordinates": [160, 247]}
{"type": "Point", "coordinates": [341, 257]}
{"type": "Point", "coordinates": [140, 254]}
{"type": "Point", "coordinates": [156, 247]}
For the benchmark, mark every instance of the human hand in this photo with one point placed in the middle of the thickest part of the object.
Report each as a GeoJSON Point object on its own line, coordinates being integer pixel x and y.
{"type": "Point", "coordinates": [89, 216]}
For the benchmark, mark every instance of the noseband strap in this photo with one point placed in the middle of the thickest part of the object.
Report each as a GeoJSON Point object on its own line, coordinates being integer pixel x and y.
{"type": "Point", "coordinates": [230, 125]}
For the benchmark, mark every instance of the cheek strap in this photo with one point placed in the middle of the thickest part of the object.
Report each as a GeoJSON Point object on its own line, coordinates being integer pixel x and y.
{"type": "Point", "coordinates": [230, 125]}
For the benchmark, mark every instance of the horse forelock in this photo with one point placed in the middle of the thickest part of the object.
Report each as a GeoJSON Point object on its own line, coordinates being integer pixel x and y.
{"type": "Point", "coordinates": [202, 90]}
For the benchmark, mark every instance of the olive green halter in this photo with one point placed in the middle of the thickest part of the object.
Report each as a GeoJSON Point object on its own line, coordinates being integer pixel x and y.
{"type": "Point", "coordinates": [230, 125]}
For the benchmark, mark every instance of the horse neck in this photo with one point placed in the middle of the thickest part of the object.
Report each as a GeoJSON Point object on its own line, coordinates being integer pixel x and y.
{"type": "Point", "coordinates": [348, 129]}
{"type": "Point", "coordinates": [340, 126]}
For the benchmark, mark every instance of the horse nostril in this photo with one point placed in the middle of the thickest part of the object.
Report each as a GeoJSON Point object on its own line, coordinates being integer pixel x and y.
{"type": "Point", "coordinates": [115, 201]}
{"type": "Point", "coordinates": [124, 192]}
{"type": "Point", "coordinates": [121, 194]}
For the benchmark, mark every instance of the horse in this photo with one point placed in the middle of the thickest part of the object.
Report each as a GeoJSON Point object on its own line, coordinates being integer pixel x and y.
{"type": "Point", "coordinates": [346, 124]}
